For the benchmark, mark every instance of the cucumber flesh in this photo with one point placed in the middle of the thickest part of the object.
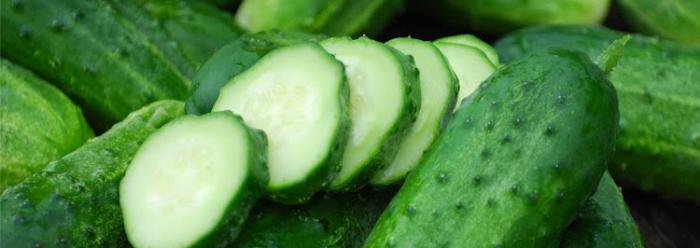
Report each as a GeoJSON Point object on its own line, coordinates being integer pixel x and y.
{"type": "Point", "coordinates": [470, 64]}
{"type": "Point", "coordinates": [193, 170]}
{"type": "Point", "coordinates": [439, 88]}
{"type": "Point", "coordinates": [378, 98]}
{"type": "Point", "coordinates": [301, 106]}
{"type": "Point", "coordinates": [473, 41]}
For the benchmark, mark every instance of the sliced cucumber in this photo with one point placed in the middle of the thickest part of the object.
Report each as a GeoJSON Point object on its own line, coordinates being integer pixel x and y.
{"type": "Point", "coordinates": [193, 182]}
{"type": "Point", "coordinates": [473, 41]}
{"type": "Point", "coordinates": [470, 64]}
{"type": "Point", "coordinates": [439, 88]}
{"type": "Point", "coordinates": [384, 95]}
{"type": "Point", "coordinates": [298, 95]}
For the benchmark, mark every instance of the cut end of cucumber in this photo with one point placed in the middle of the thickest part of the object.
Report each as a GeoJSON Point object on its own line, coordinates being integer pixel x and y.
{"type": "Point", "coordinates": [473, 41]}
{"type": "Point", "coordinates": [182, 180]}
{"type": "Point", "coordinates": [470, 64]}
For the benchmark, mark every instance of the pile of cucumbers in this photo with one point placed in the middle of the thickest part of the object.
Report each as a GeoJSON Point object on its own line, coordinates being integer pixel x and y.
{"type": "Point", "coordinates": [200, 131]}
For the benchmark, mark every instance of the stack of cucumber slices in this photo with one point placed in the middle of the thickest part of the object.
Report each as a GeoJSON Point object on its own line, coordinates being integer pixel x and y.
{"type": "Point", "coordinates": [333, 115]}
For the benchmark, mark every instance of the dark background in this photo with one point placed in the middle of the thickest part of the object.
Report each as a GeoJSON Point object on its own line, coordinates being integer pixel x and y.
{"type": "Point", "coordinates": [662, 222]}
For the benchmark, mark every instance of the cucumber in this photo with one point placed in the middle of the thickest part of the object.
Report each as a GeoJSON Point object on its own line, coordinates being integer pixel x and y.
{"type": "Point", "coordinates": [231, 60]}
{"type": "Point", "coordinates": [674, 20]}
{"type": "Point", "coordinates": [514, 165]}
{"type": "Point", "coordinates": [439, 88]}
{"type": "Point", "coordinates": [102, 60]}
{"type": "Point", "coordinates": [473, 41]}
{"type": "Point", "coordinates": [334, 17]}
{"type": "Point", "coordinates": [342, 220]}
{"type": "Point", "coordinates": [38, 124]}
{"type": "Point", "coordinates": [193, 182]}
{"type": "Point", "coordinates": [470, 65]}
{"type": "Point", "coordinates": [659, 145]}
{"type": "Point", "coordinates": [302, 107]}
{"type": "Point", "coordinates": [73, 201]}
{"type": "Point", "coordinates": [384, 99]}
{"type": "Point", "coordinates": [604, 221]}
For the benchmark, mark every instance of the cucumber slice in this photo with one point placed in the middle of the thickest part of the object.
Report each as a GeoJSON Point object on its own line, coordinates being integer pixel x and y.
{"type": "Point", "coordinates": [298, 95]}
{"type": "Point", "coordinates": [382, 106]}
{"type": "Point", "coordinates": [193, 182]}
{"type": "Point", "coordinates": [470, 64]}
{"type": "Point", "coordinates": [473, 41]}
{"type": "Point", "coordinates": [439, 88]}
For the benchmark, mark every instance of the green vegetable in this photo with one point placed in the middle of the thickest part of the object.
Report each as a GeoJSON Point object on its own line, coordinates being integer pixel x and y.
{"type": "Point", "coordinates": [37, 124]}
{"type": "Point", "coordinates": [301, 104]}
{"type": "Point", "coordinates": [73, 201]}
{"type": "Point", "coordinates": [193, 182]}
{"type": "Point", "coordinates": [604, 221]}
{"type": "Point", "coordinates": [342, 220]}
{"type": "Point", "coordinates": [473, 41]}
{"type": "Point", "coordinates": [515, 163]}
{"type": "Point", "coordinates": [107, 63]}
{"type": "Point", "coordinates": [470, 65]}
{"type": "Point", "coordinates": [671, 19]}
{"type": "Point", "coordinates": [384, 102]}
{"type": "Point", "coordinates": [499, 16]}
{"type": "Point", "coordinates": [332, 17]}
{"type": "Point", "coordinates": [231, 60]}
{"type": "Point", "coordinates": [659, 144]}
{"type": "Point", "coordinates": [439, 88]}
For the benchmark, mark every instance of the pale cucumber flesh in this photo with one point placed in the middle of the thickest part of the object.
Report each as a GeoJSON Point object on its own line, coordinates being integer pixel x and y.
{"type": "Point", "coordinates": [438, 92]}
{"type": "Point", "coordinates": [469, 64]}
{"type": "Point", "coordinates": [182, 180]}
{"type": "Point", "coordinates": [473, 41]}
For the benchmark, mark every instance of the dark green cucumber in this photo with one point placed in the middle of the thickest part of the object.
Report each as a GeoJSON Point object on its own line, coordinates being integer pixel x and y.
{"type": "Point", "coordinates": [604, 221]}
{"type": "Point", "coordinates": [342, 220]}
{"type": "Point", "coordinates": [657, 83]}
{"type": "Point", "coordinates": [73, 202]}
{"type": "Point", "coordinates": [671, 19]}
{"type": "Point", "coordinates": [38, 124]}
{"type": "Point", "coordinates": [515, 163]}
{"type": "Point", "coordinates": [332, 17]}
{"type": "Point", "coordinates": [233, 59]}
{"type": "Point", "coordinates": [104, 61]}
{"type": "Point", "coordinates": [193, 182]}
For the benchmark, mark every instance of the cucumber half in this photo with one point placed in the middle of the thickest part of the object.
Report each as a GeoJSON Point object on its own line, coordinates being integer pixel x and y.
{"type": "Point", "coordinates": [470, 64]}
{"type": "Point", "coordinates": [473, 41]}
{"type": "Point", "coordinates": [382, 106]}
{"type": "Point", "coordinates": [298, 95]}
{"type": "Point", "coordinates": [439, 88]}
{"type": "Point", "coordinates": [193, 182]}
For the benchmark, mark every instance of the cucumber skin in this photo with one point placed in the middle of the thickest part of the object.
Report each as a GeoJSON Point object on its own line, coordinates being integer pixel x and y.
{"type": "Point", "coordinates": [334, 18]}
{"type": "Point", "coordinates": [471, 190]}
{"type": "Point", "coordinates": [233, 59]}
{"type": "Point", "coordinates": [342, 220]}
{"type": "Point", "coordinates": [674, 20]}
{"type": "Point", "coordinates": [658, 148]}
{"type": "Point", "coordinates": [604, 221]}
{"type": "Point", "coordinates": [38, 124]}
{"type": "Point", "coordinates": [73, 202]}
{"type": "Point", "coordinates": [92, 53]}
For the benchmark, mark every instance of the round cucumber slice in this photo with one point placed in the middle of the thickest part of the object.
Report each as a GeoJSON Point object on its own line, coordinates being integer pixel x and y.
{"type": "Point", "coordinates": [192, 182]}
{"type": "Point", "coordinates": [473, 41]}
{"type": "Point", "coordinates": [439, 88]}
{"type": "Point", "coordinates": [470, 64]}
{"type": "Point", "coordinates": [297, 95]}
{"type": "Point", "coordinates": [381, 107]}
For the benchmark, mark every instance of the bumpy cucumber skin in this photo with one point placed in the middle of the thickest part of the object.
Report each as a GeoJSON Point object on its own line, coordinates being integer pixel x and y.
{"type": "Point", "coordinates": [73, 202]}
{"type": "Point", "coordinates": [675, 20]}
{"type": "Point", "coordinates": [604, 221]}
{"type": "Point", "coordinates": [658, 148]}
{"type": "Point", "coordinates": [332, 17]}
{"type": "Point", "coordinates": [386, 152]}
{"type": "Point", "coordinates": [231, 60]}
{"type": "Point", "coordinates": [93, 54]}
{"type": "Point", "coordinates": [514, 165]}
{"type": "Point", "coordinates": [38, 124]}
{"type": "Point", "coordinates": [342, 220]}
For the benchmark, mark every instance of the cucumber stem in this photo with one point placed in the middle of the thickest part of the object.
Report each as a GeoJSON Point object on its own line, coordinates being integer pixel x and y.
{"type": "Point", "coordinates": [612, 54]}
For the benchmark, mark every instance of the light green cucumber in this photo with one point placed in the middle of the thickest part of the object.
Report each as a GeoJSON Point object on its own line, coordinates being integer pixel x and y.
{"type": "Point", "coordinates": [470, 64]}
{"type": "Point", "coordinates": [473, 41]}
{"type": "Point", "coordinates": [670, 19]}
